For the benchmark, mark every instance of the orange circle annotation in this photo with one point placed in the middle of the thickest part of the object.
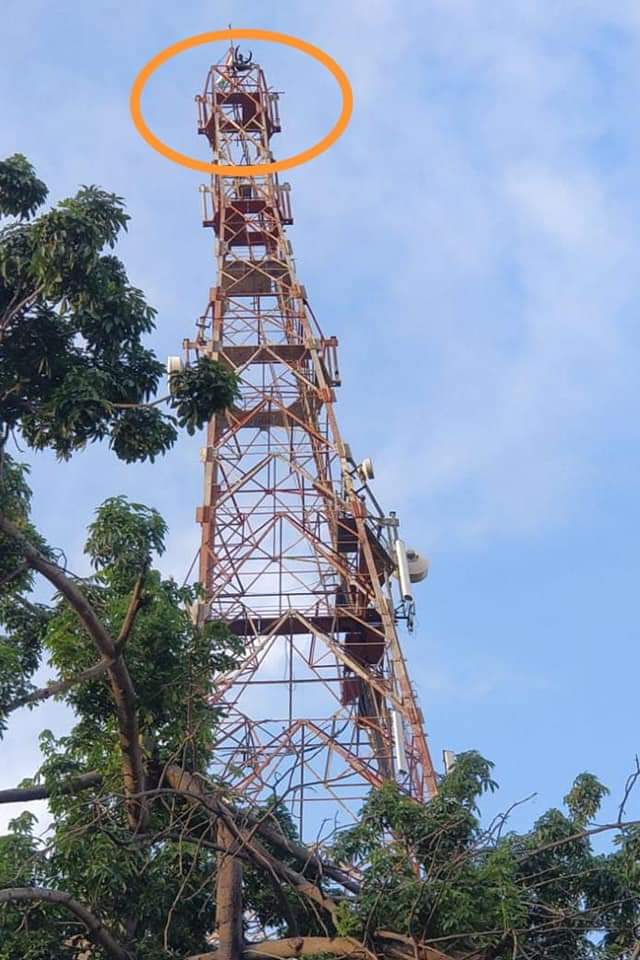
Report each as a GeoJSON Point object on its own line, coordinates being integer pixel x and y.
{"type": "Point", "coordinates": [245, 170]}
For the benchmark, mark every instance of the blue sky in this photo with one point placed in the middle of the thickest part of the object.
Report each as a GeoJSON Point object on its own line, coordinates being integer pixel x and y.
{"type": "Point", "coordinates": [473, 242]}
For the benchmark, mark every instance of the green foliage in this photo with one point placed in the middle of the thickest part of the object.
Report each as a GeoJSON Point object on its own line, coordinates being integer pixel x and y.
{"type": "Point", "coordinates": [22, 863]}
{"type": "Point", "coordinates": [172, 663]}
{"type": "Point", "coordinates": [22, 622]}
{"type": "Point", "coordinates": [585, 797]}
{"type": "Point", "coordinates": [130, 882]}
{"type": "Point", "coordinates": [141, 433]}
{"type": "Point", "coordinates": [432, 872]}
{"type": "Point", "coordinates": [199, 386]}
{"type": "Point", "coordinates": [123, 538]}
{"type": "Point", "coordinates": [117, 878]}
{"type": "Point", "coordinates": [468, 779]}
{"type": "Point", "coordinates": [73, 367]}
{"type": "Point", "coordinates": [23, 629]}
{"type": "Point", "coordinates": [15, 503]}
{"type": "Point", "coordinates": [21, 193]}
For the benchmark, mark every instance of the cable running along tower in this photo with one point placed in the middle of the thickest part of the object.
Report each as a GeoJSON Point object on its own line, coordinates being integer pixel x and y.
{"type": "Point", "coordinates": [296, 556]}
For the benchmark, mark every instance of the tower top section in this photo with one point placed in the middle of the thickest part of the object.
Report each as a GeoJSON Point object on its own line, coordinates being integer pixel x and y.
{"type": "Point", "coordinates": [237, 111]}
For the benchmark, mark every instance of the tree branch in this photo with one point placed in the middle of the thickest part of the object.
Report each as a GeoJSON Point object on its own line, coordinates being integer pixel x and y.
{"type": "Point", "coordinates": [134, 605]}
{"type": "Point", "coordinates": [292, 947]}
{"type": "Point", "coordinates": [57, 687]}
{"type": "Point", "coordinates": [304, 856]}
{"type": "Point", "coordinates": [415, 947]}
{"type": "Point", "coordinates": [632, 779]}
{"type": "Point", "coordinates": [74, 785]}
{"type": "Point", "coordinates": [98, 933]}
{"type": "Point", "coordinates": [187, 784]}
{"type": "Point", "coordinates": [122, 689]}
{"type": "Point", "coordinates": [13, 308]}
{"type": "Point", "coordinates": [581, 835]}
{"type": "Point", "coordinates": [296, 947]}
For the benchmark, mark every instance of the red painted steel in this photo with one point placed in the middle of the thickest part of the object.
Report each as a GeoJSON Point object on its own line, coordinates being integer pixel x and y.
{"type": "Point", "coordinates": [296, 555]}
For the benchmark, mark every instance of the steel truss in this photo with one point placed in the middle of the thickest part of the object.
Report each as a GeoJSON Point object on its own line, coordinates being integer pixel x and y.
{"type": "Point", "coordinates": [296, 556]}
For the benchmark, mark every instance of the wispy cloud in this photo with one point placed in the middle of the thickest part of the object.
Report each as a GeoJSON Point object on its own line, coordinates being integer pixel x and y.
{"type": "Point", "coordinates": [487, 233]}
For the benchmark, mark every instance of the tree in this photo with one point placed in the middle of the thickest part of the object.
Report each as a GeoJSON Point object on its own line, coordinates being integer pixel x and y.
{"type": "Point", "coordinates": [73, 367]}
{"type": "Point", "coordinates": [440, 878]}
{"type": "Point", "coordinates": [145, 850]}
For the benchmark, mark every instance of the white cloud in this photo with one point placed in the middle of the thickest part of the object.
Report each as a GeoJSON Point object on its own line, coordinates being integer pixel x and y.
{"type": "Point", "coordinates": [487, 241]}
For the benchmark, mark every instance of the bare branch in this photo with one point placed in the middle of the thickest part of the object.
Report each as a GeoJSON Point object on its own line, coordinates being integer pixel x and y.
{"type": "Point", "coordinates": [296, 947]}
{"type": "Point", "coordinates": [13, 309]}
{"type": "Point", "coordinates": [581, 835]}
{"type": "Point", "coordinates": [190, 786]}
{"type": "Point", "coordinates": [500, 820]}
{"type": "Point", "coordinates": [632, 779]}
{"type": "Point", "coordinates": [307, 946]}
{"type": "Point", "coordinates": [97, 932]}
{"type": "Point", "coordinates": [74, 785]}
{"type": "Point", "coordinates": [56, 687]}
{"type": "Point", "coordinates": [134, 605]}
{"type": "Point", "coordinates": [304, 856]}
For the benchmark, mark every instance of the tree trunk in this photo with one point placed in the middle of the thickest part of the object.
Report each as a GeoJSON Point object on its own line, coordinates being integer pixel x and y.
{"type": "Point", "coordinates": [229, 898]}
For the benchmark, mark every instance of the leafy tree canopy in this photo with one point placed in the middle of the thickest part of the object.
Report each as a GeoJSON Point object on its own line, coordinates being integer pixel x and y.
{"type": "Point", "coordinates": [435, 874]}
{"type": "Point", "coordinates": [73, 364]}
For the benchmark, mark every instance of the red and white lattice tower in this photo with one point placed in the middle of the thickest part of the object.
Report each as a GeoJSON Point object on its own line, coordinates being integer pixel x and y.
{"type": "Point", "coordinates": [296, 555]}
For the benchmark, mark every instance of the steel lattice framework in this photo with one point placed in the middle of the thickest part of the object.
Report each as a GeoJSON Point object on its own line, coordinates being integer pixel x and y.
{"type": "Point", "coordinates": [296, 555]}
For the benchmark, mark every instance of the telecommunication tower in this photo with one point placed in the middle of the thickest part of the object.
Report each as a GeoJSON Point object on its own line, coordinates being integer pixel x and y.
{"type": "Point", "coordinates": [296, 556]}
